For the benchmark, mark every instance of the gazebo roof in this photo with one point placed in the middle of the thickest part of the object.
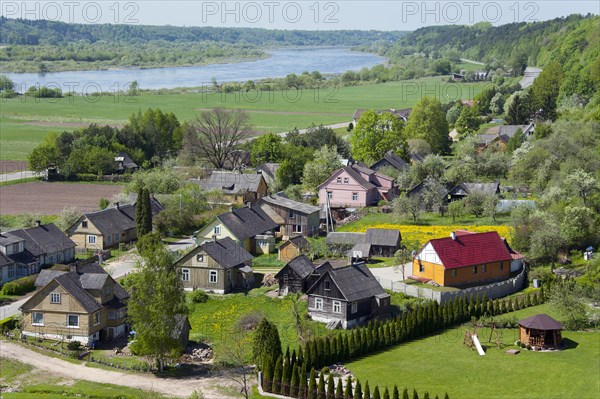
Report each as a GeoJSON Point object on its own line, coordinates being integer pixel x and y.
{"type": "Point", "coordinates": [541, 322]}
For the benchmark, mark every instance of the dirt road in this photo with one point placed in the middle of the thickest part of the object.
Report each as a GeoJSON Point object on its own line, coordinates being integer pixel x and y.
{"type": "Point", "coordinates": [166, 386]}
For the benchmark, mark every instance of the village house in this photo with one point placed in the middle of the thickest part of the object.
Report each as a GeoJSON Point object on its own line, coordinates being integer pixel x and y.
{"type": "Point", "coordinates": [393, 161]}
{"type": "Point", "coordinates": [15, 261]}
{"type": "Point", "coordinates": [401, 114]}
{"type": "Point", "coordinates": [109, 227]}
{"type": "Point", "coordinates": [293, 217]}
{"type": "Point", "coordinates": [356, 186]}
{"type": "Point", "coordinates": [295, 275]}
{"type": "Point", "coordinates": [47, 244]}
{"type": "Point", "coordinates": [237, 188]}
{"type": "Point", "coordinates": [347, 296]}
{"type": "Point", "coordinates": [250, 226]}
{"type": "Point", "coordinates": [268, 171]}
{"type": "Point", "coordinates": [496, 138]}
{"type": "Point", "coordinates": [464, 258]}
{"type": "Point", "coordinates": [217, 266]}
{"type": "Point", "coordinates": [292, 248]}
{"type": "Point", "coordinates": [463, 190]}
{"type": "Point", "coordinates": [125, 163]}
{"type": "Point", "coordinates": [85, 304]}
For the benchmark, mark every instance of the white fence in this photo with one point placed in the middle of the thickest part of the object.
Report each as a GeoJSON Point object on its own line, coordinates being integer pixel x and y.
{"type": "Point", "coordinates": [495, 290]}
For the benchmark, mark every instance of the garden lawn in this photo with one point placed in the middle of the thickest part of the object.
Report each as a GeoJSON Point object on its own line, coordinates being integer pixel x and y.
{"type": "Point", "coordinates": [25, 121]}
{"type": "Point", "coordinates": [215, 321]}
{"type": "Point", "coordinates": [442, 363]}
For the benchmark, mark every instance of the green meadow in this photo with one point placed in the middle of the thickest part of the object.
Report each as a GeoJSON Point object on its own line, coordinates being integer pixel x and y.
{"type": "Point", "coordinates": [25, 121]}
{"type": "Point", "coordinates": [442, 363]}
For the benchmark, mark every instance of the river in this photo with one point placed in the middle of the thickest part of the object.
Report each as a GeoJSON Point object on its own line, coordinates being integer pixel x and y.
{"type": "Point", "coordinates": [280, 63]}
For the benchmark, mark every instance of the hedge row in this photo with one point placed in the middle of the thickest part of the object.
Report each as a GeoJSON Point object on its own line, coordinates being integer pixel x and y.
{"type": "Point", "coordinates": [21, 286]}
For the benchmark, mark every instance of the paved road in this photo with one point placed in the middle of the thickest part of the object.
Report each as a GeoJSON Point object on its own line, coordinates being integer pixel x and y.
{"type": "Point", "coordinates": [393, 273]}
{"type": "Point", "coordinates": [22, 174]}
{"type": "Point", "coordinates": [147, 382]}
{"type": "Point", "coordinates": [11, 308]}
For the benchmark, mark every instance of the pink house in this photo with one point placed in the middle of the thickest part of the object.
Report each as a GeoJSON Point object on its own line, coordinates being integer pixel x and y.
{"type": "Point", "coordinates": [356, 186]}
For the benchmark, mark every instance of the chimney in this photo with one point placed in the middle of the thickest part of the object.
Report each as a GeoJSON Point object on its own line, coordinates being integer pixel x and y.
{"type": "Point", "coordinates": [38, 223]}
{"type": "Point", "coordinates": [249, 204]}
{"type": "Point", "coordinates": [453, 235]}
{"type": "Point", "coordinates": [117, 204]}
{"type": "Point", "coordinates": [73, 267]}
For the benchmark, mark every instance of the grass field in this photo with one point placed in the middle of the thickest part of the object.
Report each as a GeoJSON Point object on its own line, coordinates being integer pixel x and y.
{"type": "Point", "coordinates": [25, 121]}
{"type": "Point", "coordinates": [441, 363]}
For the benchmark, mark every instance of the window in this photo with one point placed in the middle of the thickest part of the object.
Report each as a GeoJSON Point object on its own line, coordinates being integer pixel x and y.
{"type": "Point", "coordinates": [354, 307]}
{"type": "Point", "coordinates": [474, 269]}
{"type": "Point", "coordinates": [109, 239]}
{"type": "Point", "coordinates": [217, 230]}
{"type": "Point", "coordinates": [319, 303]}
{"type": "Point", "coordinates": [54, 297]}
{"type": "Point", "coordinates": [421, 268]}
{"type": "Point", "coordinates": [96, 318]}
{"type": "Point", "coordinates": [453, 272]}
{"type": "Point", "coordinates": [354, 196]}
{"type": "Point", "coordinates": [212, 276]}
{"type": "Point", "coordinates": [185, 274]}
{"type": "Point", "coordinates": [73, 321]}
{"type": "Point", "coordinates": [483, 268]}
{"type": "Point", "coordinates": [285, 278]}
{"type": "Point", "coordinates": [91, 239]}
{"type": "Point", "coordinates": [326, 285]}
{"type": "Point", "coordinates": [11, 271]}
{"type": "Point", "coordinates": [501, 265]}
{"type": "Point", "coordinates": [112, 314]}
{"type": "Point", "coordinates": [329, 194]}
{"type": "Point", "coordinates": [346, 181]}
{"type": "Point", "coordinates": [37, 319]}
{"type": "Point", "coordinates": [84, 224]}
{"type": "Point", "coordinates": [297, 228]}
{"type": "Point", "coordinates": [290, 214]}
{"type": "Point", "coordinates": [199, 258]}
{"type": "Point", "coordinates": [337, 307]}
{"type": "Point", "coordinates": [338, 180]}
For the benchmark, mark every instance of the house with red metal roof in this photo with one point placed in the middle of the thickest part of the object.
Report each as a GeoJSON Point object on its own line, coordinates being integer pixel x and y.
{"type": "Point", "coordinates": [464, 258]}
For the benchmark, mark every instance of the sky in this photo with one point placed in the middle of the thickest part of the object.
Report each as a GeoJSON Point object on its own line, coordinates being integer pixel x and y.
{"type": "Point", "coordinates": [309, 15]}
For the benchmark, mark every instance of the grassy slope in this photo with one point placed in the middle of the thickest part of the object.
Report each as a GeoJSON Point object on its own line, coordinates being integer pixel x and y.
{"type": "Point", "coordinates": [441, 363]}
{"type": "Point", "coordinates": [17, 139]}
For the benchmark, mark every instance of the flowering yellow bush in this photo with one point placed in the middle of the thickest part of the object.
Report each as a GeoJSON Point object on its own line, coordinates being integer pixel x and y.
{"type": "Point", "coordinates": [426, 233]}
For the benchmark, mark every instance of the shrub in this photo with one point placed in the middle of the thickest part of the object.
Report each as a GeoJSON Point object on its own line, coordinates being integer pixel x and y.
{"type": "Point", "coordinates": [21, 286]}
{"type": "Point", "coordinates": [199, 296]}
{"type": "Point", "coordinates": [74, 345]}
{"type": "Point", "coordinates": [8, 324]}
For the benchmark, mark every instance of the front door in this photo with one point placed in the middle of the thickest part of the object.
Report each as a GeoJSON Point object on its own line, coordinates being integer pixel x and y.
{"type": "Point", "coordinates": [110, 333]}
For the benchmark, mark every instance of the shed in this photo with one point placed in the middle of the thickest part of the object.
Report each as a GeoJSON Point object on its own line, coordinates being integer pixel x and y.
{"type": "Point", "coordinates": [540, 331]}
{"type": "Point", "coordinates": [292, 248]}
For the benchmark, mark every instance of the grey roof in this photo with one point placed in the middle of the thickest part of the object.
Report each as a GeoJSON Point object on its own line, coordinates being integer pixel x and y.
{"type": "Point", "coordinates": [72, 284]}
{"type": "Point", "coordinates": [43, 239]}
{"type": "Point", "coordinates": [47, 275]}
{"type": "Point", "coordinates": [355, 282]}
{"type": "Point", "coordinates": [344, 238]}
{"type": "Point", "coordinates": [24, 257]}
{"type": "Point", "coordinates": [299, 241]}
{"type": "Point", "coordinates": [5, 261]}
{"type": "Point", "coordinates": [268, 169]}
{"type": "Point", "coordinates": [247, 222]}
{"type": "Point", "coordinates": [416, 157]}
{"type": "Point", "coordinates": [383, 237]}
{"type": "Point", "coordinates": [393, 160]}
{"type": "Point", "coordinates": [486, 188]}
{"type": "Point", "coordinates": [126, 163]}
{"type": "Point", "coordinates": [281, 200]}
{"type": "Point", "coordinates": [510, 130]}
{"type": "Point", "coordinates": [301, 265]}
{"type": "Point", "coordinates": [363, 247]}
{"type": "Point", "coordinates": [9, 238]}
{"type": "Point", "coordinates": [93, 281]}
{"type": "Point", "coordinates": [231, 182]}
{"type": "Point", "coordinates": [485, 138]}
{"type": "Point", "coordinates": [226, 252]}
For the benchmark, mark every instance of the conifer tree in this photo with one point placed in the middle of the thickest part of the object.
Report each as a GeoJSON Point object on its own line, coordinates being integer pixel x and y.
{"type": "Point", "coordinates": [358, 394]}
{"type": "Point", "coordinates": [405, 394]}
{"type": "Point", "coordinates": [321, 387]}
{"type": "Point", "coordinates": [339, 390]}
{"type": "Point", "coordinates": [276, 387]}
{"type": "Point", "coordinates": [426, 395]}
{"type": "Point", "coordinates": [286, 374]}
{"type": "Point", "coordinates": [376, 393]}
{"type": "Point", "coordinates": [267, 373]}
{"type": "Point", "coordinates": [348, 388]}
{"type": "Point", "coordinates": [330, 387]}
{"type": "Point", "coordinates": [139, 219]}
{"type": "Point", "coordinates": [312, 385]}
{"type": "Point", "coordinates": [302, 383]}
{"type": "Point", "coordinates": [386, 393]}
{"type": "Point", "coordinates": [300, 357]}
{"type": "Point", "coordinates": [367, 393]}
{"type": "Point", "coordinates": [415, 395]}
{"type": "Point", "coordinates": [294, 382]}
{"type": "Point", "coordinates": [266, 341]}
{"type": "Point", "coordinates": [446, 396]}
{"type": "Point", "coordinates": [396, 394]}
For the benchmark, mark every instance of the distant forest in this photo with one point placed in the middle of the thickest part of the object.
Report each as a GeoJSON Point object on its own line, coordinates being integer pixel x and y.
{"type": "Point", "coordinates": [40, 46]}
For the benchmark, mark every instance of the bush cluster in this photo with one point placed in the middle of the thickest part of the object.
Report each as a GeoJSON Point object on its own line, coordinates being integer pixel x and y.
{"type": "Point", "coordinates": [21, 286]}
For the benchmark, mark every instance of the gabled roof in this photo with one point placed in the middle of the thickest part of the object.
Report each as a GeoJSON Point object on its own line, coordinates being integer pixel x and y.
{"type": "Point", "coordinates": [269, 169]}
{"type": "Point", "coordinates": [362, 247]}
{"type": "Point", "coordinates": [541, 322]}
{"type": "Point", "coordinates": [226, 252]}
{"type": "Point", "coordinates": [47, 275]}
{"type": "Point", "coordinates": [247, 222]}
{"type": "Point", "coordinates": [231, 182]}
{"type": "Point", "coordinates": [298, 241]}
{"type": "Point", "coordinates": [43, 239]}
{"type": "Point", "coordinates": [72, 284]}
{"type": "Point", "coordinates": [5, 261]}
{"type": "Point", "coordinates": [343, 238]}
{"type": "Point", "coordinates": [393, 160]}
{"type": "Point", "coordinates": [125, 161]}
{"type": "Point", "coordinates": [282, 201]}
{"type": "Point", "coordinates": [470, 249]}
{"type": "Point", "coordinates": [7, 238]}
{"type": "Point", "coordinates": [510, 130]}
{"type": "Point", "coordinates": [416, 157]}
{"type": "Point", "coordinates": [301, 265]}
{"type": "Point", "coordinates": [383, 237]}
{"type": "Point", "coordinates": [485, 188]}
{"type": "Point", "coordinates": [355, 282]}
{"type": "Point", "coordinates": [93, 281]}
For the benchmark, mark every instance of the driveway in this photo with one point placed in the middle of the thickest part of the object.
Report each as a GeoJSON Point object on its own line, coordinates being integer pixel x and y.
{"type": "Point", "coordinates": [387, 276]}
{"type": "Point", "coordinates": [11, 309]}
{"type": "Point", "coordinates": [147, 382]}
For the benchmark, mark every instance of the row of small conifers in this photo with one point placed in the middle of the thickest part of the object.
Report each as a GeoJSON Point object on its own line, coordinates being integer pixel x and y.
{"type": "Point", "coordinates": [286, 374]}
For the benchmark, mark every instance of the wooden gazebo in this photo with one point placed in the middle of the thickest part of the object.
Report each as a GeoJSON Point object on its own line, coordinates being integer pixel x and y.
{"type": "Point", "coordinates": [540, 331]}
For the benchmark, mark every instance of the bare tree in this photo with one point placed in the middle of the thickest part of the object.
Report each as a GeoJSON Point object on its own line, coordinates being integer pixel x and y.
{"type": "Point", "coordinates": [219, 133]}
{"type": "Point", "coordinates": [235, 355]}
